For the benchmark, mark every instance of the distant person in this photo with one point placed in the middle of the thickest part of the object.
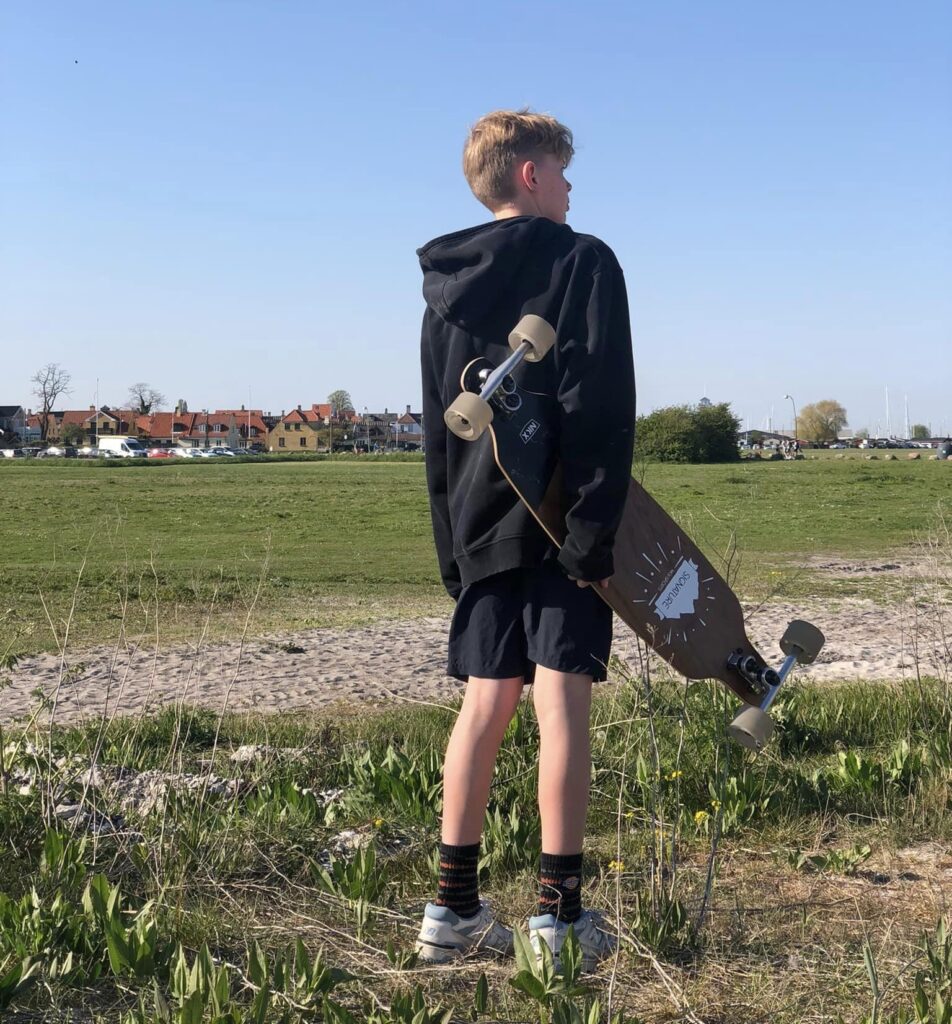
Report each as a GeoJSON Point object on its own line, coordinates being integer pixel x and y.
{"type": "Point", "coordinates": [525, 611]}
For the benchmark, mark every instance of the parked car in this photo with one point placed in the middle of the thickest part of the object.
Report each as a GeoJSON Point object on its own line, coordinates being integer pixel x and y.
{"type": "Point", "coordinates": [222, 450]}
{"type": "Point", "coordinates": [160, 453]}
{"type": "Point", "coordinates": [837, 444]}
{"type": "Point", "coordinates": [187, 453]}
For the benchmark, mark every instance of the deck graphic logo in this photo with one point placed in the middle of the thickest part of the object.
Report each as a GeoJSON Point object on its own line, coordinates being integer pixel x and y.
{"type": "Point", "coordinates": [680, 593]}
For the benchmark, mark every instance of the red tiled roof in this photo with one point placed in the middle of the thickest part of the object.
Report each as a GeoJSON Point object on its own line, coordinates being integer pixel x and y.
{"type": "Point", "coordinates": [169, 424]}
{"type": "Point", "coordinates": [242, 418]}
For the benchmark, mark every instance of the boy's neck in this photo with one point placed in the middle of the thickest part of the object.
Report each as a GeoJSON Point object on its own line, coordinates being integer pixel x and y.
{"type": "Point", "coordinates": [512, 210]}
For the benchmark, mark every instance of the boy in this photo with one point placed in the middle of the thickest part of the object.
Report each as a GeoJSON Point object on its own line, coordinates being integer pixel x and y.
{"type": "Point", "coordinates": [525, 612]}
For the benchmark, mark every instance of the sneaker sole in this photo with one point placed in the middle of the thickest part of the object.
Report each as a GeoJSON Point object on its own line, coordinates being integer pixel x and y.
{"type": "Point", "coordinates": [434, 954]}
{"type": "Point", "coordinates": [437, 954]}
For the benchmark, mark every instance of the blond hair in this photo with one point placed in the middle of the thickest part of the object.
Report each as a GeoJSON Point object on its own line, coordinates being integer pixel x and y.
{"type": "Point", "coordinates": [498, 140]}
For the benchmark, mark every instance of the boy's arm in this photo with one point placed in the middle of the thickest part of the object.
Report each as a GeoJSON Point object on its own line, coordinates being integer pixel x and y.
{"type": "Point", "coordinates": [597, 397]}
{"type": "Point", "coordinates": [434, 432]}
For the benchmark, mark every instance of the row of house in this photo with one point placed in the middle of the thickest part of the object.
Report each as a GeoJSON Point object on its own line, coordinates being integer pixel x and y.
{"type": "Point", "coordinates": [301, 429]}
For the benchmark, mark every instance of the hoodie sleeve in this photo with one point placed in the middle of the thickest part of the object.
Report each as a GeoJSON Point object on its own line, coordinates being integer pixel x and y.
{"type": "Point", "coordinates": [597, 395]}
{"type": "Point", "coordinates": [435, 458]}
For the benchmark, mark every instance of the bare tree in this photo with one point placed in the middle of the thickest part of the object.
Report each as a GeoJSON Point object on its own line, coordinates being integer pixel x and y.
{"type": "Point", "coordinates": [340, 402]}
{"type": "Point", "coordinates": [48, 384]}
{"type": "Point", "coordinates": [143, 398]}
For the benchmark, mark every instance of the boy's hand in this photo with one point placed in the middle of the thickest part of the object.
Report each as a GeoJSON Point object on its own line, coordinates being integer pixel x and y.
{"type": "Point", "coordinates": [593, 583]}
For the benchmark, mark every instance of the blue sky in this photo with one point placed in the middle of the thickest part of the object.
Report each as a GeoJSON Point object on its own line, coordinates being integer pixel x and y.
{"type": "Point", "coordinates": [224, 198]}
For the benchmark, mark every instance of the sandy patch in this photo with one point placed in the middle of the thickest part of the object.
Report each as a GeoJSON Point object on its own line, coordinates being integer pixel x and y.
{"type": "Point", "coordinates": [405, 660]}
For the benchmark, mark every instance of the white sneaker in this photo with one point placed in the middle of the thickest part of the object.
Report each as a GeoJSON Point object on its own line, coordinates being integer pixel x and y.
{"type": "Point", "coordinates": [444, 935]}
{"type": "Point", "coordinates": [596, 944]}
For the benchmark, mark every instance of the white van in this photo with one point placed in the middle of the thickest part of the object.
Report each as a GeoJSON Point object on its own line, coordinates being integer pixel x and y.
{"type": "Point", "coordinates": [126, 447]}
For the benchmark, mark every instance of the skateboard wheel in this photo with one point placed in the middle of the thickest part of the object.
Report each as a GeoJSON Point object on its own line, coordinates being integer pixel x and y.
{"type": "Point", "coordinates": [468, 416]}
{"type": "Point", "coordinates": [803, 640]}
{"type": "Point", "coordinates": [538, 332]}
{"type": "Point", "coordinates": [751, 728]}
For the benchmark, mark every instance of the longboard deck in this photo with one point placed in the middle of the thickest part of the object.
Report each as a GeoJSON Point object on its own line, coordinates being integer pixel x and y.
{"type": "Point", "coordinates": [663, 587]}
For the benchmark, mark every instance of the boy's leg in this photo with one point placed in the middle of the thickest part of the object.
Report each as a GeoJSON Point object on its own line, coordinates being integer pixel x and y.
{"type": "Point", "coordinates": [488, 707]}
{"type": "Point", "coordinates": [563, 704]}
{"type": "Point", "coordinates": [456, 922]}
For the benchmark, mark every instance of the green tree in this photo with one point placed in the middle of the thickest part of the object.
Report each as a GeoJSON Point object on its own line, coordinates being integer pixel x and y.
{"type": "Point", "coordinates": [684, 433]}
{"type": "Point", "coordinates": [73, 433]}
{"type": "Point", "coordinates": [715, 428]}
{"type": "Point", "coordinates": [666, 435]}
{"type": "Point", "coordinates": [822, 421]}
{"type": "Point", "coordinates": [919, 432]}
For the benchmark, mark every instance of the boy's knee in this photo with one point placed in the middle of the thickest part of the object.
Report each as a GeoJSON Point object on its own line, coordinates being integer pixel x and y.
{"type": "Point", "coordinates": [494, 703]}
{"type": "Point", "coordinates": [563, 698]}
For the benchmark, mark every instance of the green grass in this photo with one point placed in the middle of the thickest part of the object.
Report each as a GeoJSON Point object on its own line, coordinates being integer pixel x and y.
{"type": "Point", "coordinates": [801, 885]}
{"type": "Point", "coordinates": [171, 549]}
{"type": "Point", "coordinates": [806, 847]}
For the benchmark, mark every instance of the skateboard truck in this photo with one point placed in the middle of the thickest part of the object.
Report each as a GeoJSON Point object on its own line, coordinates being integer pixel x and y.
{"type": "Point", "coordinates": [752, 727]}
{"type": "Point", "coordinates": [758, 677]}
{"type": "Point", "coordinates": [470, 414]}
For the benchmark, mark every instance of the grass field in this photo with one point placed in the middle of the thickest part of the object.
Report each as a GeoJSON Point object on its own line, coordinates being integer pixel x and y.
{"type": "Point", "coordinates": [804, 885]}
{"type": "Point", "coordinates": [172, 548]}
{"type": "Point", "coordinates": [147, 878]}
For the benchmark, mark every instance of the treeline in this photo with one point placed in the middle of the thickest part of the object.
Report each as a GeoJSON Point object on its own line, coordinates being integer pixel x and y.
{"type": "Point", "coordinates": [688, 433]}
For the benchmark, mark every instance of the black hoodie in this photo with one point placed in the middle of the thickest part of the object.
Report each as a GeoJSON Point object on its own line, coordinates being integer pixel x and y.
{"type": "Point", "coordinates": [477, 284]}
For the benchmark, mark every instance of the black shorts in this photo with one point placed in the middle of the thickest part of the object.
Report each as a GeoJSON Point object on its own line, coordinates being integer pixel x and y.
{"type": "Point", "coordinates": [508, 623]}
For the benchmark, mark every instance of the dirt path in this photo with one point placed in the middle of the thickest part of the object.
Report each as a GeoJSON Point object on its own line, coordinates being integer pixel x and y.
{"type": "Point", "coordinates": [405, 660]}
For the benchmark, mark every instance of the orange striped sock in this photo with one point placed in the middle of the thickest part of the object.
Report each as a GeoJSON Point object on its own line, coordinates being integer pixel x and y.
{"type": "Point", "coordinates": [459, 882]}
{"type": "Point", "coordinates": [560, 885]}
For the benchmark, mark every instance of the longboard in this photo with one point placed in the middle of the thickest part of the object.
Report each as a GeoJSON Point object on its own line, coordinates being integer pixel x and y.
{"type": "Point", "coordinates": [663, 586]}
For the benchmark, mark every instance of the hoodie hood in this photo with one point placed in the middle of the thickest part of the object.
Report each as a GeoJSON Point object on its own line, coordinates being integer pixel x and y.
{"type": "Point", "coordinates": [466, 273]}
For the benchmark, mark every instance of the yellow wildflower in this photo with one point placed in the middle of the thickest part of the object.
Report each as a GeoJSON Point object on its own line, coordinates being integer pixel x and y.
{"type": "Point", "coordinates": [616, 865]}
{"type": "Point", "coordinates": [700, 817]}
{"type": "Point", "coordinates": [378, 822]}
{"type": "Point", "coordinates": [716, 804]}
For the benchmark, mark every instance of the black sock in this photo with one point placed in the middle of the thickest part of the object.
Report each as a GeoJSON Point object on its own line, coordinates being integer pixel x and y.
{"type": "Point", "coordinates": [560, 885]}
{"type": "Point", "coordinates": [459, 881]}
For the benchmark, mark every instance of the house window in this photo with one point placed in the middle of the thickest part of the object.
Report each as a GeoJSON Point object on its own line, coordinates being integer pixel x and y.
{"type": "Point", "coordinates": [254, 431]}
{"type": "Point", "coordinates": [280, 442]}
{"type": "Point", "coordinates": [303, 442]}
